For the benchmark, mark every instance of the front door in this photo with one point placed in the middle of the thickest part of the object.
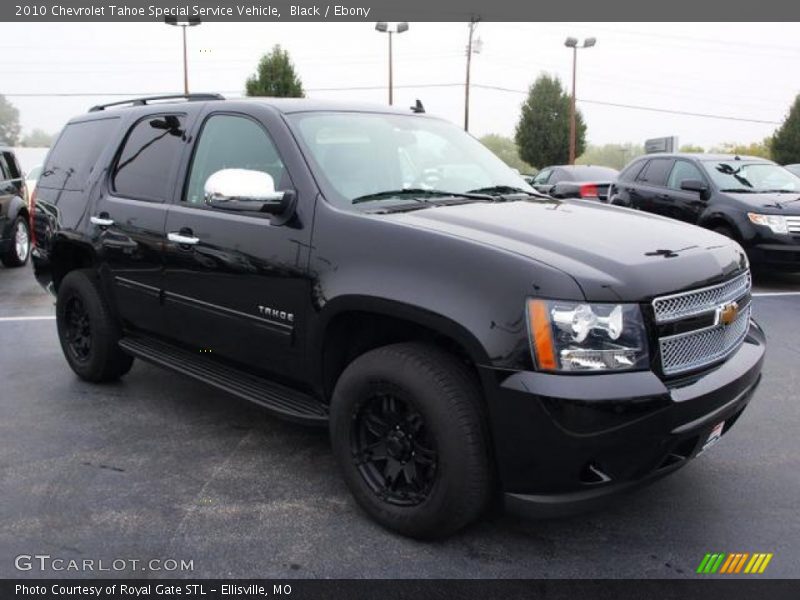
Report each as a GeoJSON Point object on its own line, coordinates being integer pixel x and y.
{"type": "Point", "coordinates": [235, 283]}
{"type": "Point", "coordinates": [686, 205]}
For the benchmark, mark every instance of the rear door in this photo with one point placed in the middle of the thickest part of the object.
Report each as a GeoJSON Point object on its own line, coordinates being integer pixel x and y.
{"type": "Point", "coordinates": [130, 213]}
{"type": "Point", "coordinates": [649, 192]}
{"type": "Point", "coordinates": [239, 290]}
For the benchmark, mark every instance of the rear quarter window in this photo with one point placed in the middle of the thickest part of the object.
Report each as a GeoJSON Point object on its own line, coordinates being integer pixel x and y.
{"type": "Point", "coordinates": [75, 154]}
{"type": "Point", "coordinates": [631, 171]}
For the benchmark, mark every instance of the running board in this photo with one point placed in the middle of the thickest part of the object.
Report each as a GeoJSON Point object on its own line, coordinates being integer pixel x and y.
{"type": "Point", "coordinates": [278, 399]}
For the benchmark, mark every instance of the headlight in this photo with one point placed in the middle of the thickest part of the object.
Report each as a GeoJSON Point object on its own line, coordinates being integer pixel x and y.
{"type": "Point", "coordinates": [576, 336]}
{"type": "Point", "coordinates": [776, 223]}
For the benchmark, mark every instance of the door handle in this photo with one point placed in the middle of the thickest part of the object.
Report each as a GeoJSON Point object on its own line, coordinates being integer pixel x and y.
{"type": "Point", "coordinates": [182, 239]}
{"type": "Point", "coordinates": [101, 221]}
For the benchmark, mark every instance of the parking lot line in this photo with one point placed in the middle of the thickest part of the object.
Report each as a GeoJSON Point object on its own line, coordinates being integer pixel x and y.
{"type": "Point", "coordinates": [42, 318]}
{"type": "Point", "coordinates": [761, 294]}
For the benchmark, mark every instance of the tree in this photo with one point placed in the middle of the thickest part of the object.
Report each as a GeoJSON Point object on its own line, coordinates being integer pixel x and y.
{"type": "Point", "coordinates": [786, 141]}
{"type": "Point", "coordinates": [275, 77]}
{"type": "Point", "coordinates": [542, 133]}
{"type": "Point", "coordinates": [761, 149]}
{"type": "Point", "coordinates": [9, 123]}
{"type": "Point", "coordinates": [615, 156]}
{"type": "Point", "coordinates": [38, 138]}
{"type": "Point", "coordinates": [691, 148]}
{"type": "Point", "coordinates": [506, 150]}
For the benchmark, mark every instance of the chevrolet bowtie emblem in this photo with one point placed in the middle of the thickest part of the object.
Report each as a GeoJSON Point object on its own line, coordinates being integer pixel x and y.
{"type": "Point", "coordinates": [727, 313]}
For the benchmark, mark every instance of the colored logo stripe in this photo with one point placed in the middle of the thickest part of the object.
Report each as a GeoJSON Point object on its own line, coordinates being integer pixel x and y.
{"type": "Point", "coordinates": [734, 563]}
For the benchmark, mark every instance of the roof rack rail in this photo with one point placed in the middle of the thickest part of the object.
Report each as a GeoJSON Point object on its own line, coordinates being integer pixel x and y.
{"type": "Point", "coordinates": [147, 99]}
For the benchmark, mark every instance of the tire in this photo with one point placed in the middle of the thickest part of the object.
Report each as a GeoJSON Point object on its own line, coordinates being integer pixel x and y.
{"type": "Point", "coordinates": [87, 330]}
{"type": "Point", "coordinates": [20, 248]}
{"type": "Point", "coordinates": [416, 403]}
{"type": "Point", "coordinates": [724, 230]}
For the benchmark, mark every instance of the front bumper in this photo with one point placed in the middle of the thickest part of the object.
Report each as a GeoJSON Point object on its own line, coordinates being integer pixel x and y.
{"type": "Point", "coordinates": [779, 257]}
{"type": "Point", "coordinates": [566, 443]}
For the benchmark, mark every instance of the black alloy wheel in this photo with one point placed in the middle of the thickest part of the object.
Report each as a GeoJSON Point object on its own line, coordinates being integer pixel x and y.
{"type": "Point", "coordinates": [393, 450]}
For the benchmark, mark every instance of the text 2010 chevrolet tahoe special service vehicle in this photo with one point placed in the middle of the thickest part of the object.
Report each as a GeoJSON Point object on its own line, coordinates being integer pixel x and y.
{"type": "Point", "coordinates": [381, 272]}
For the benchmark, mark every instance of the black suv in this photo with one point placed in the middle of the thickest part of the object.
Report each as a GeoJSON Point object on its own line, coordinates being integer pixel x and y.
{"type": "Point", "coordinates": [381, 273]}
{"type": "Point", "coordinates": [749, 199]}
{"type": "Point", "coordinates": [15, 242]}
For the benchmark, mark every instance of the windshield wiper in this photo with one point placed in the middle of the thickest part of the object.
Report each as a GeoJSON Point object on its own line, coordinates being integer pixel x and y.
{"type": "Point", "coordinates": [418, 194]}
{"type": "Point", "coordinates": [505, 190]}
{"type": "Point", "coordinates": [740, 191]}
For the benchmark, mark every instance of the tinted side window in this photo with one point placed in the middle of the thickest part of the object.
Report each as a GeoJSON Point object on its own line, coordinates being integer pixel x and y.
{"type": "Point", "coordinates": [148, 158]}
{"type": "Point", "coordinates": [682, 171]}
{"type": "Point", "coordinates": [559, 175]}
{"type": "Point", "coordinates": [5, 172]}
{"type": "Point", "coordinates": [232, 142]}
{"type": "Point", "coordinates": [10, 166]}
{"type": "Point", "coordinates": [77, 149]}
{"type": "Point", "coordinates": [655, 173]}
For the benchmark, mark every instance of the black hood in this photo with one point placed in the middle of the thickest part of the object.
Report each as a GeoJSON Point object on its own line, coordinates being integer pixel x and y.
{"type": "Point", "coordinates": [613, 253]}
{"type": "Point", "coordinates": [779, 204]}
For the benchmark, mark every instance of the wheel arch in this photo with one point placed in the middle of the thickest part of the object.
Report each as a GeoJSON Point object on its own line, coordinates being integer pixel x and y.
{"type": "Point", "coordinates": [352, 325]}
{"type": "Point", "coordinates": [67, 255]}
{"type": "Point", "coordinates": [720, 219]}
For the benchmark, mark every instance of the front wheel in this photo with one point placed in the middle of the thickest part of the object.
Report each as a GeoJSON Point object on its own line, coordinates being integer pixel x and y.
{"type": "Point", "coordinates": [408, 431]}
{"type": "Point", "coordinates": [725, 230]}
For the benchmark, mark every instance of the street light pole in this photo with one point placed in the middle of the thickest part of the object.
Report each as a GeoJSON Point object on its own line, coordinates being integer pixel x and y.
{"type": "Point", "coordinates": [391, 71]}
{"type": "Point", "coordinates": [472, 25]}
{"type": "Point", "coordinates": [572, 42]}
{"type": "Point", "coordinates": [572, 123]}
{"type": "Point", "coordinates": [384, 27]}
{"type": "Point", "coordinates": [183, 25]}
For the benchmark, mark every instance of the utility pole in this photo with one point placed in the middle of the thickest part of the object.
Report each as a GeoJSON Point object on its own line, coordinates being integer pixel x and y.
{"type": "Point", "coordinates": [472, 25]}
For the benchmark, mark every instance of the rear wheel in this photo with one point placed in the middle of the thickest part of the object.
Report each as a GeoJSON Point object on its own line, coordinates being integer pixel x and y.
{"type": "Point", "coordinates": [87, 331]}
{"type": "Point", "coordinates": [20, 248]}
{"type": "Point", "coordinates": [407, 430]}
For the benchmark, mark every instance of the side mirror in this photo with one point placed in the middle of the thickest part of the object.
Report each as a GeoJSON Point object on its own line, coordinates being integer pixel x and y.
{"type": "Point", "coordinates": [696, 185]}
{"type": "Point", "coordinates": [244, 190]}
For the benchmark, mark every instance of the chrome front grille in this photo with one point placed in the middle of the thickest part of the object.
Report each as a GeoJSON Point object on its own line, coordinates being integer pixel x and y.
{"type": "Point", "coordinates": [696, 302]}
{"type": "Point", "coordinates": [793, 223]}
{"type": "Point", "coordinates": [697, 348]}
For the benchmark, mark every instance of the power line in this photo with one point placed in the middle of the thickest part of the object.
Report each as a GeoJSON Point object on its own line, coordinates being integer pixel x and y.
{"type": "Point", "coordinates": [417, 86]}
{"type": "Point", "coordinates": [640, 107]}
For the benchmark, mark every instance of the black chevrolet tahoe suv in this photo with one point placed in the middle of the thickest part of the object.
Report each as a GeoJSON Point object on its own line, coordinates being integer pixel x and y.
{"type": "Point", "coordinates": [749, 199]}
{"type": "Point", "coordinates": [379, 272]}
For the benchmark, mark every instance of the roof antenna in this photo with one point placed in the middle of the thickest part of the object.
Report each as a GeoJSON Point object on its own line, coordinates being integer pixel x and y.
{"type": "Point", "coordinates": [418, 108]}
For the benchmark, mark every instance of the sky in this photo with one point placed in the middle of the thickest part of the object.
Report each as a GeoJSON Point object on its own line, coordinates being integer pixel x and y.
{"type": "Point", "coordinates": [744, 71]}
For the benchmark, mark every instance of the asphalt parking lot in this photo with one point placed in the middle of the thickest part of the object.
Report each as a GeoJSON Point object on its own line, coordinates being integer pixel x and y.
{"type": "Point", "coordinates": [158, 467]}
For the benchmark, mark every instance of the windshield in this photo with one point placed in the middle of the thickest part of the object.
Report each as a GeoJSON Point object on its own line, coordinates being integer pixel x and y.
{"type": "Point", "coordinates": [362, 156]}
{"type": "Point", "coordinates": [751, 177]}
